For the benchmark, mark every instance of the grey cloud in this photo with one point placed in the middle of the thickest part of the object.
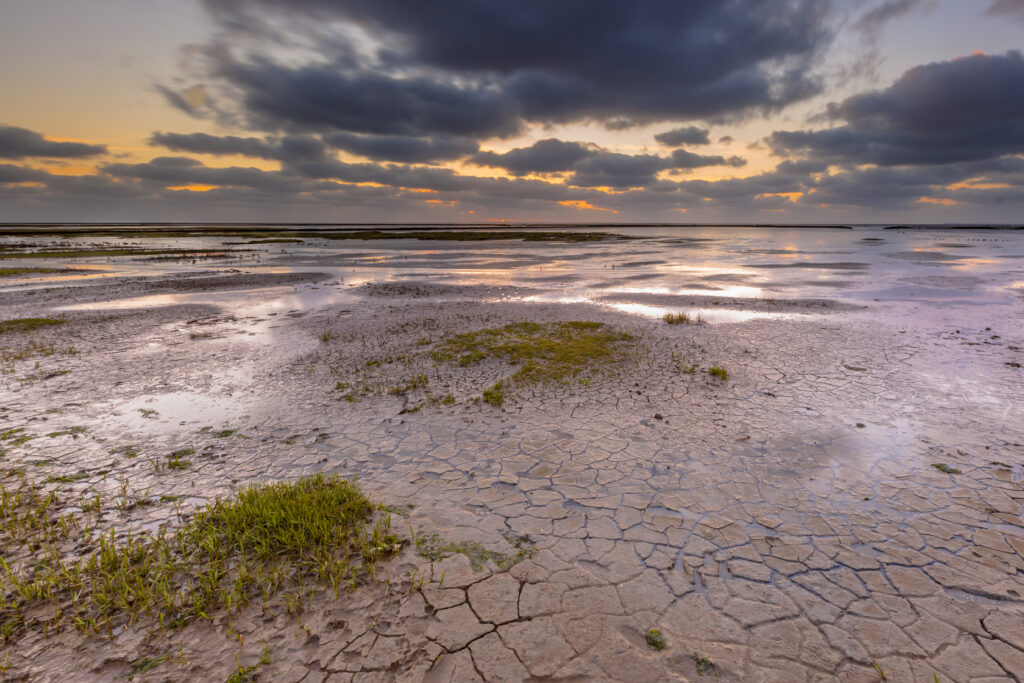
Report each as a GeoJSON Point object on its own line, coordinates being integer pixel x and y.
{"type": "Point", "coordinates": [11, 173]}
{"type": "Point", "coordinates": [544, 156]}
{"type": "Point", "coordinates": [281, 149]}
{"type": "Point", "coordinates": [596, 167]}
{"type": "Point", "coordinates": [688, 135]}
{"type": "Point", "coordinates": [1007, 7]}
{"type": "Point", "coordinates": [966, 109]}
{"type": "Point", "coordinates": [483, 69]}
{"type": "Point", "coordinates": [21, 143]}
{"type": "Point", "coordinates": [404, 148]}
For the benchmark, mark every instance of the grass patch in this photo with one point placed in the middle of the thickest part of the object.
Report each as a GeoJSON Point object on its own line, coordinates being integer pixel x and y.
{"type": "Point", "coordinates": [102, 253]}
{"type": "Point", "coordinates": [495, 395]}
{"type": "Point", "coordinates": [719, 372]}
{"type": "Point", "coordinates": [178, 460]}
{"type": "Point", "coordinates": [677, 318]}
{"type": "Point", "coordinates": [544, 352]}
{"type": "Point", "coordinates": [200, 335]}
{"type": "Point", "coordinates": [148, 413]}
{"type": "Point", "coordinates": [125, 451]}
{"type": "Point", "coordinates": [16, 436]}
{"type": "Point", "coordinates": [12, 272]}
{"type": "Point", "coordinates": [27, 324]}
{"type": "Point", "coordinates": [655, 640]}
{"type": "Point", "coordinates": [943, 467]}
{"type": "Point", "coordinates": [67, 478]}
{"type": "Point", "coordinates": [419, 381]}
{"type": "Point", "coordinates": [434, 548]}
{"type": "Point", "coordinates": [70, 431]}
{"type": "Point", "coordinates": [705, 667]}
{"type": "Point", "coordinates": [28, 518]}
{"type": "Point", "coordinates": [264, 539]}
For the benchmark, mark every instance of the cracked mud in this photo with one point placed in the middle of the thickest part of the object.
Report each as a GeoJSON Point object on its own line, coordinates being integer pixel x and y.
{"type": "Point", "coordinates": [788, 523]}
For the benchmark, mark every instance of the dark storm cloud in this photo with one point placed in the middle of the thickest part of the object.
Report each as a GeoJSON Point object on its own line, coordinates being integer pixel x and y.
{"type": "Point", "coordinates": [21, 143]}
{"type": "Point", "coordinates": [185, 171]}
{"type": "Point", "coordinates": [688, 135]}
{"type": "Point", "coordinates": [404, 148]}
{"type": "Point", "coordinates": [966, 109]}
{"type": "Point", "coordinates": [544, 156]}
{"type": "Point", "coordinates": [321, 98]}
{"type": "Point", "coordinates": [481, 69]}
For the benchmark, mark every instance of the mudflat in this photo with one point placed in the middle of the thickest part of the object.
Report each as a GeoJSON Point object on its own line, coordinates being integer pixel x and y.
{"type": "Point", "coordinates": [816, 473]}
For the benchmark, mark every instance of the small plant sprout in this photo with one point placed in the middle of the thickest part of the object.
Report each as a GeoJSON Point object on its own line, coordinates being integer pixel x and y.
{"type": "Point", "coordinates": [655, 640]}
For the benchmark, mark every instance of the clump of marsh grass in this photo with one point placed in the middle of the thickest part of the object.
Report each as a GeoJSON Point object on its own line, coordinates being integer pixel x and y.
{"type": "Point", "coordinates": [545, 352]}
{"type": "Point", "coordinates": [677, 318]}
{"type": "Point", "coordinates": [28, 324]}
{"type": "Point", "coordinates": [266, 538]}
{"type": "Point", "coordinates": [655, 640]}
{"type": "Point", "coordinates": [719, 372]}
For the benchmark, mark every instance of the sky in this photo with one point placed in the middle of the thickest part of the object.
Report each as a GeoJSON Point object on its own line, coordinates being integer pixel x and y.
{"type": "Point", "coordinates": [479, 111]}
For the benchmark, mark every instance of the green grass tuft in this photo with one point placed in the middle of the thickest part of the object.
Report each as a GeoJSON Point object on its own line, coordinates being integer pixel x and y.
{"type": "Point", "coordinates": [943, 467]}
{"type": "Point", "coordinates": [655, 640]}
{"type": "Point", "coordinates": [677, 318]}
{"type": "Point", "coordinates": [720, 373]}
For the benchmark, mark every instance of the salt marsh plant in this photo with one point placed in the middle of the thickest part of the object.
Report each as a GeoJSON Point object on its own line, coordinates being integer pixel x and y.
{"type": "Point", "coordinates": [677, 318]}
{"type": "Point", "coordinates": [545, 353]}
{"type": "Point", "coordinates": [28, 324]}
{"type": "Point", "coordinates": [263, 540]}
{"type": "Point", "coordinates": [719, 372]}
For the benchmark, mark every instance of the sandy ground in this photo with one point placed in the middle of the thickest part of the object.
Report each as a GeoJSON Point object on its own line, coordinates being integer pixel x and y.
{"type": "Point", "coordinates": [787, 524]}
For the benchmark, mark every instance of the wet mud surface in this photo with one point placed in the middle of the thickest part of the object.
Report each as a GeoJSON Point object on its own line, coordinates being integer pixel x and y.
{"type": "Point", "coordinates": [786, 524]}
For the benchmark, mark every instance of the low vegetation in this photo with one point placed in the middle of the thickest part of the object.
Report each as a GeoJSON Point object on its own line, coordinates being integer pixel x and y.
{"type": "Point", "coordinates": [655, 640]}
{"type": "Point", "coordinates": [543, 352]}
{"type": "Point", "coordinates": [28, 324]}
{"type": "Point", "coordinates": [267, 538]}
{"type": "Point", "coordinates": [103, 253]}
{"type": "Point", "coordinates": [677, 318]}
{"type": "Point", "coordinates": [14, 272]}
{"type": "Point", "coordinates": [719, 372]}
{"type": "Point", "coordinates": [943, 467]}
{"type": "Point", "coordinates": [434, 548]}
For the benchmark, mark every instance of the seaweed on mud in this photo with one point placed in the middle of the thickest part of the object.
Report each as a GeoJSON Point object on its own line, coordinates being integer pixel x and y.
{"type": "Point", "coordinates": [943, 467]}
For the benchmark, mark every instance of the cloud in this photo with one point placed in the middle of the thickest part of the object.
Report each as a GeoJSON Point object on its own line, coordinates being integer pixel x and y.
{"type": "Point", "coordinates": [592, 166]}
{"type": "Point", "coordinates": [21, 143]}
{"type": "Point", "coordinates": [405, 148]}
{"type": "Point", "coordinates": [1007, 7]}
{"type": "Point", "coordinates": [287, 148]}
{"type": "Point", "coordinates": [966, 109]}
{"type": "Point", "coordinates": [688, 135]}
{"type": "Point", "coordinates": [871, 22]}
{"type": "Point", "coordinates": [11, 173]}
{"type": "Point", "coordinates": [485, 69]}
{"type": "Point", "coordinates": [544, 156]}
